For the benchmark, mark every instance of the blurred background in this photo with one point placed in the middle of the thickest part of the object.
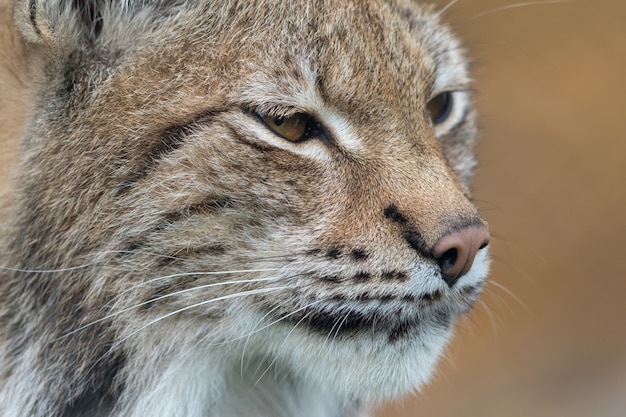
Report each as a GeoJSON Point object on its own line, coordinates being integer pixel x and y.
{"type": "Point", "coordinates": [549, 336]}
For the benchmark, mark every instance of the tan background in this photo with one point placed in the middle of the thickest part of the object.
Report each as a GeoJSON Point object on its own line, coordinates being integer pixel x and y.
{"type": "Point", "coordinates": [550, 338]}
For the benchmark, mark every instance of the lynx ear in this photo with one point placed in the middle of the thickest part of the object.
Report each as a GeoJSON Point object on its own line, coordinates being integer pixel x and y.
{"type": "Point", "coordinates": [61, 22]}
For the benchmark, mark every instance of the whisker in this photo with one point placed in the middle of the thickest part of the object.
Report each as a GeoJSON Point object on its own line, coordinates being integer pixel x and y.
{"type": "Point", "coordinates": [339, 327]}
{"type": "Point", "coordinates": [254, 330]}
{"type": "Point", "coordinates": [288, 315]}
{"type": "Point", "coordinates": [156, 254]}
{"type": "Point", "coordinates": [179, 258]}
{"type": "Point", "coordinates": [180, 310]}
{"type": "Point", "coordinates": [281, 350]}
{"type": "Point", "coordinates": [445, 8]}
{"type": "Point", "coordinates": [517, 5]}
{"type": "Point", "coordinates": [124, 310]}
{"type": "Point", "coordinates": [185, 274]}
{"type": "Point", "coordinates": [200, 304]}
{"type": "Point", "coordinates": [333, 328]}
{"type": "Point", "coordinates": [509, 293]}
{"type": "Point", "coordinates": [45, 271]}
{"type": "Point", "coordinates": [270, 324]}
{"type": "Point", "coordinates": [492, 319]}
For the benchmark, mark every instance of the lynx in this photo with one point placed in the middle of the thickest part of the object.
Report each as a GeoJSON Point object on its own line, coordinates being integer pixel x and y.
{"type": "Point", "coordinates": [231, 208]}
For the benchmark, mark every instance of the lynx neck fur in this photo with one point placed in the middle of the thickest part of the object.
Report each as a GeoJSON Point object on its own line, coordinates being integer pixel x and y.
{"type": "Point", "coordinates": [230, 208]}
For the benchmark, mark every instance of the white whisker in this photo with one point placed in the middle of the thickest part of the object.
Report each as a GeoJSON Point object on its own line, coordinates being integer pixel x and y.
{"type": "Point", "coordinates": [200, 304]}
{"type": "Point", "coordinates": [283, 318]}
{"type": "Point", "coordinates": [283, 346]}
{"type": "Point", "coordinates": [180, 310]}
{"type": "Point", "coordinates": [184, 274]}
{"type": "Point", "coordinates": [45, 271]}
{"type": "Point", "coordinates": [254, 330]}
{"type": "Point", "coordinates": [492, 319]}
{"type": "Point", "coordinates": [179, 258]}
{"type": "Point", "coordinates": [517, 5]}
{"type": "Point", "coordinates": [509, 293]}
{"type": "Point", "coordinates": [133, 307]}
{"type": "Point", "coordinates": [445, 8]}
{"type": "Point", "coordinates": [339, 327]}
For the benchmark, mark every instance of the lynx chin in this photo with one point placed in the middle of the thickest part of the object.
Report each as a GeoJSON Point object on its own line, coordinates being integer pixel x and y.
{"type": "Point", "coordinates": [231, 208]}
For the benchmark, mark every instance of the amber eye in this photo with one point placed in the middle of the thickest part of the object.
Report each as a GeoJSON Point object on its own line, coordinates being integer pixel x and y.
{"type": "Point", "coordinates": [439, 107]}
{"type": "Point", "coordinates": [292, 128]}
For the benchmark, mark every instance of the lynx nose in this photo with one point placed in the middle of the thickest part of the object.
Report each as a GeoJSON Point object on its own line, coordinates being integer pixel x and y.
{"type": "Point", "coordinates": [455, 251]}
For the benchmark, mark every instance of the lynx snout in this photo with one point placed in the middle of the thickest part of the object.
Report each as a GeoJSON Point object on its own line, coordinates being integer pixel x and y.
{"type": "Point", "coordinates": [455, 252]}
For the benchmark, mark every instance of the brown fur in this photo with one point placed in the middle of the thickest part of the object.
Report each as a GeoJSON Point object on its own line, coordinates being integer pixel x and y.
{"type": "Point", "coordinates": [141, 159]}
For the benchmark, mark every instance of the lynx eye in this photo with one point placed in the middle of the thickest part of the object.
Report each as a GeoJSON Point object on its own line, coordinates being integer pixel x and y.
{"type": "Point", "coordinates": [440, 107]}
{"type": "Point", "coordinates": [293, 128]}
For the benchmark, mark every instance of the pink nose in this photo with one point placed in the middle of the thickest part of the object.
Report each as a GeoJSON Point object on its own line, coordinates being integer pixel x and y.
{"type": "Point", "coordinates": [455, 252]}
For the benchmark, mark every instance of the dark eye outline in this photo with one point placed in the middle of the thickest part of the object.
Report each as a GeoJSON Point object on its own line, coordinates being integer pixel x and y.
{"type": "Point", "coordinates": [312, 129]}
{"type": "Point", "coordinates": [440, 107]}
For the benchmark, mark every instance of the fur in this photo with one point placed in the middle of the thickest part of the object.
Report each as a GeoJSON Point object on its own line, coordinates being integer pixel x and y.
{"type": "Point", "coordinates": [165, 253]}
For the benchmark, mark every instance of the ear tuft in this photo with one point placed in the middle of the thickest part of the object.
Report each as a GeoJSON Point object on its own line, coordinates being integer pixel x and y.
{"type": "Point", "coordinates": [57, 22]}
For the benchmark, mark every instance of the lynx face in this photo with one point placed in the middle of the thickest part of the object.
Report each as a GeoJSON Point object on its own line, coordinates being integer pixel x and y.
{"type": "Point", "coordinates": [222, 188]}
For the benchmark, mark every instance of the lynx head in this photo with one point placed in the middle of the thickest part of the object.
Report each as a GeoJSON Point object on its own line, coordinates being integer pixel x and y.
{"type": "Point", "coordinates": [286, 182]}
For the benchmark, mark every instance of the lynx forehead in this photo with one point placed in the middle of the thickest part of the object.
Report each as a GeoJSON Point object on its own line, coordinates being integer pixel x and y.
{"type": "Point", "coordinates": [234, 208]}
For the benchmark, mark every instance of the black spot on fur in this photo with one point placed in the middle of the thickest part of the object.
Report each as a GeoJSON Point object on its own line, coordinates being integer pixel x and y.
{"type": "Point", "coordinates": [359, 255]}
{"type": "Point", "coordinates": [435, 296]}
{"type": "Point", "coordinates": [331, 278]}
{"type": "Point", "coordinates": [395, 276]}
{"type": "Point", "coordinates": [417, 242]}
{"type": "Point", "coordinates": [432, 297]}
{"type": "Point", "coordinates": [402, 276]}
{"type": "Point", "coordinates": [470, 291]}
{"type": "Point", "coordinates": [313, 252]}
{"type": "Point", "coordinates": [168, 140]}
{"type": "Point", "coordinates": [334, 253]}
{"type": "Point", "coordinates": [362, 276]}
{"type": "Point", "coordinates": [392, 213]}
{"type": "Point", "coordinates": [409, 299]}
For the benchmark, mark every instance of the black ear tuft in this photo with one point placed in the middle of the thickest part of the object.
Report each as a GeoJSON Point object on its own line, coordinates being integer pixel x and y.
{"type": "Point", "coordinates": [90, 13]}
